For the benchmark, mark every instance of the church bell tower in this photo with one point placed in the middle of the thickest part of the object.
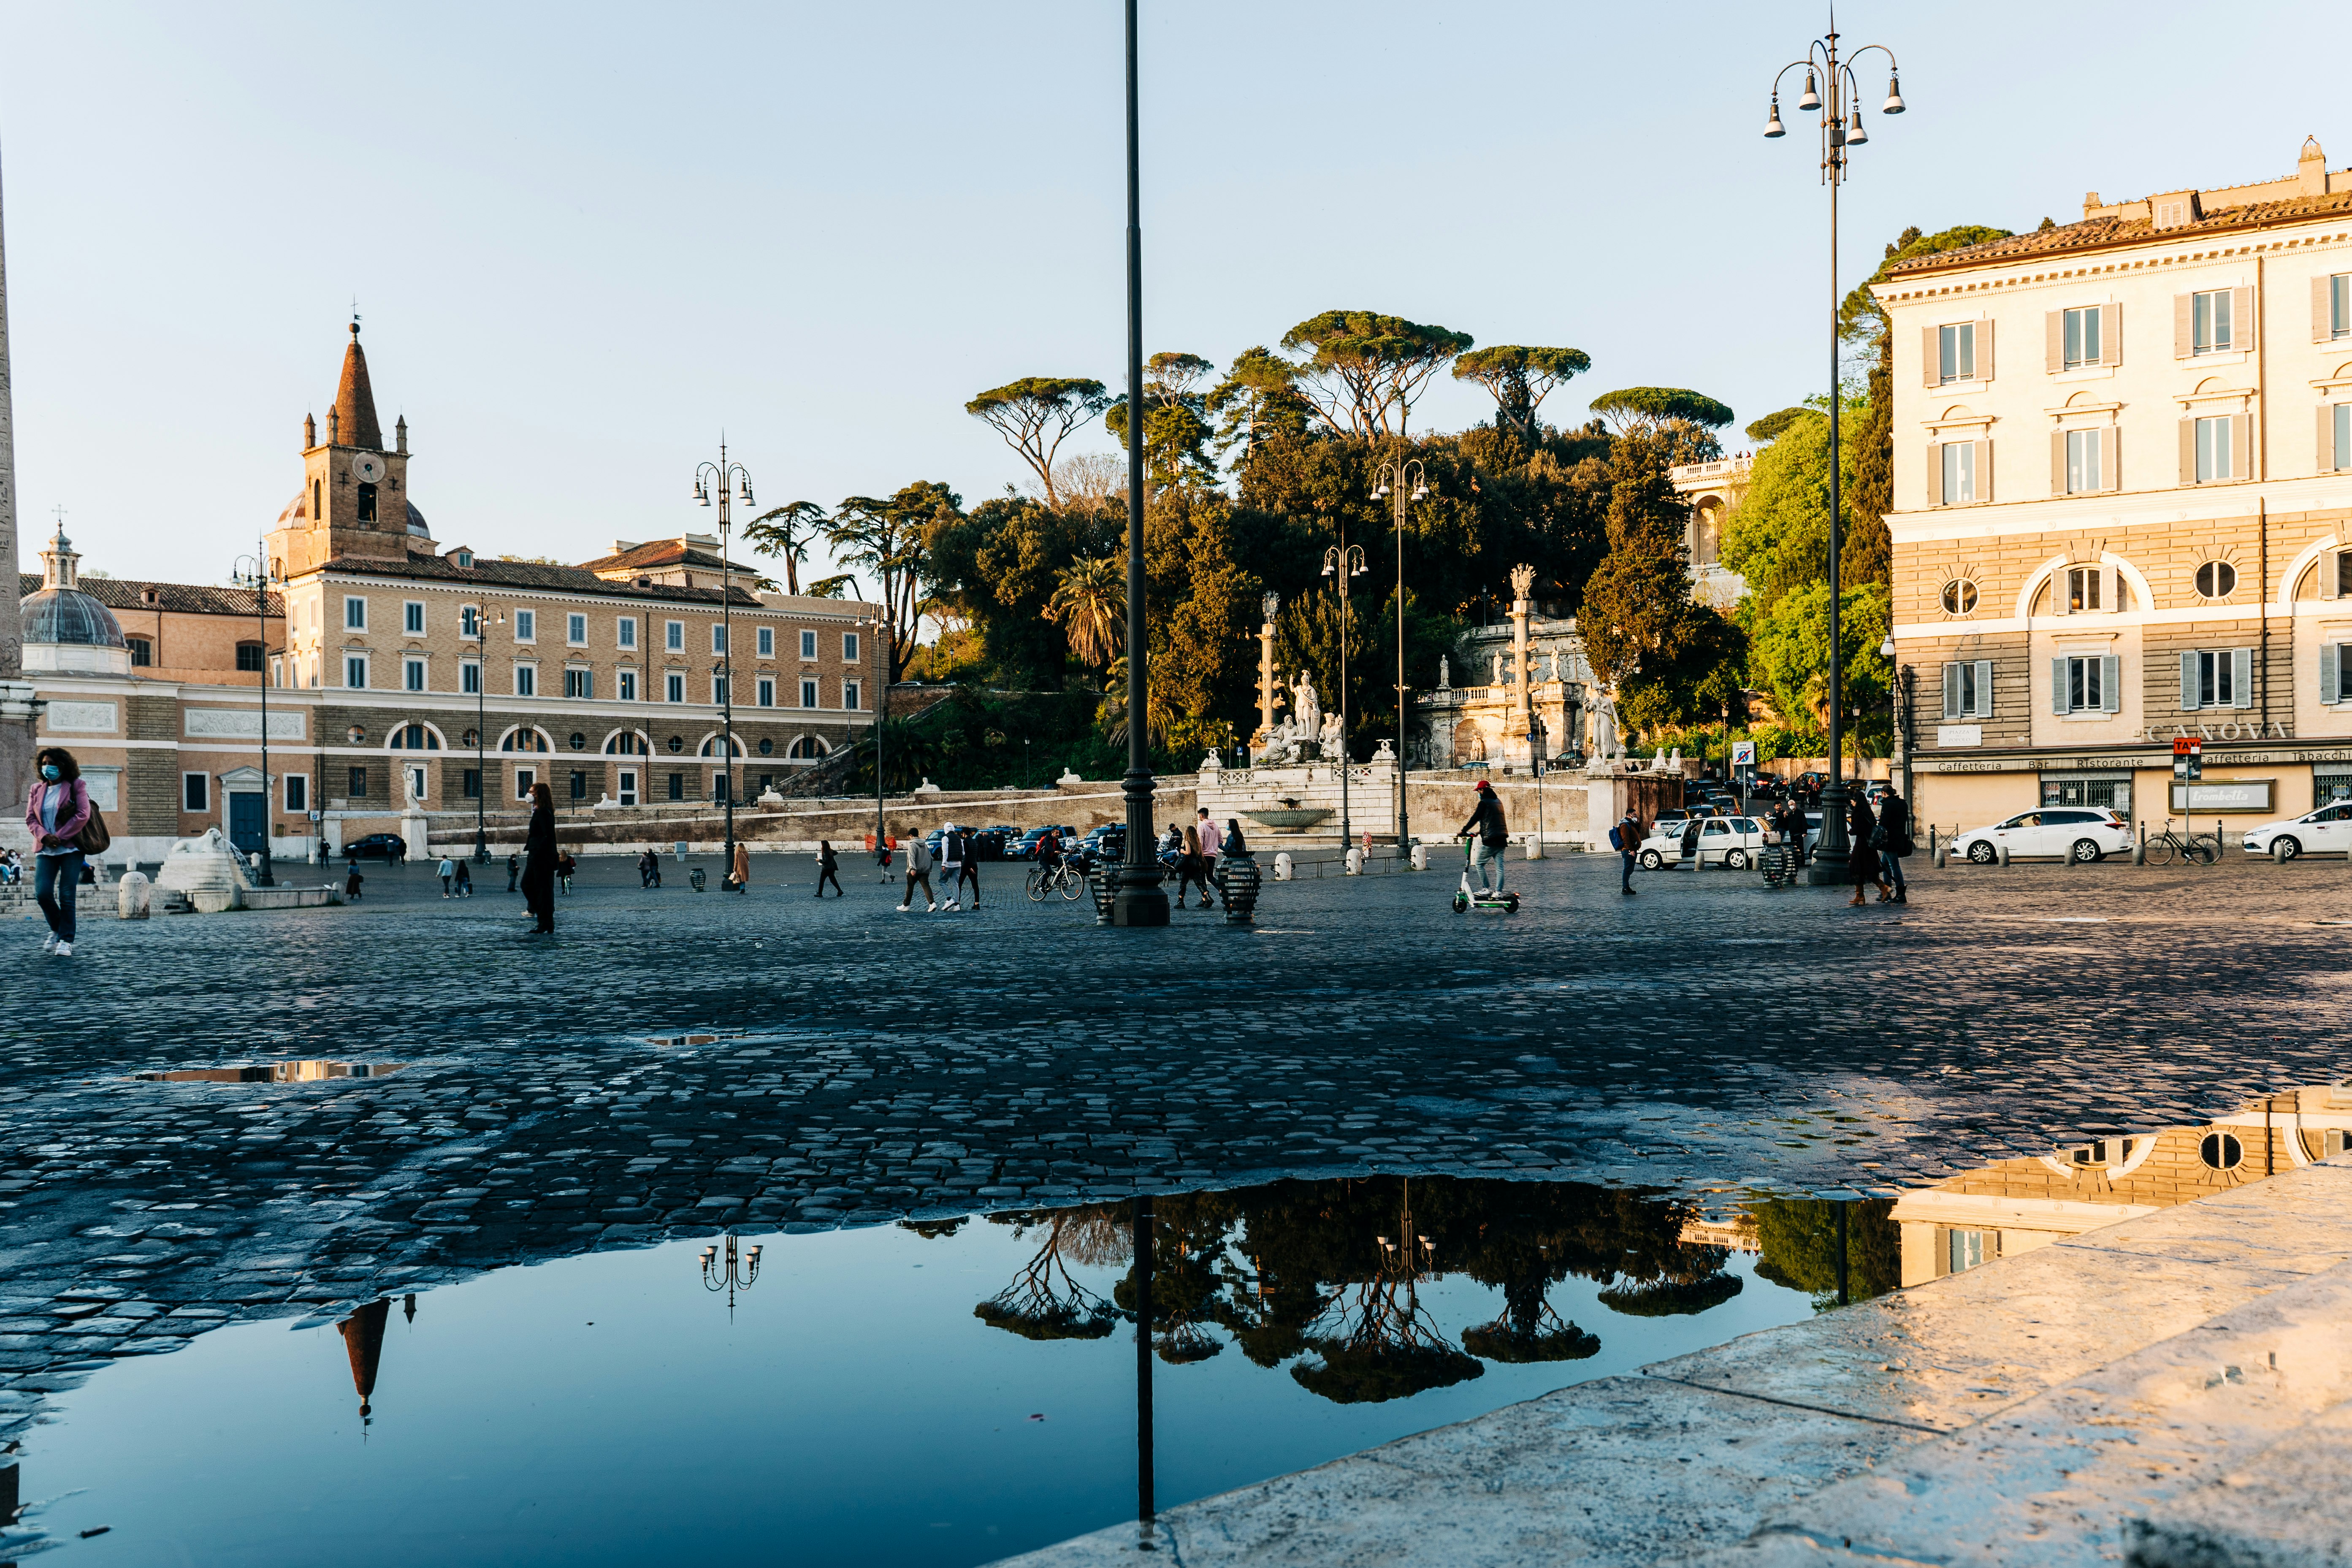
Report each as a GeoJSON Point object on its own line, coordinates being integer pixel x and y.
{"type": "Point", "coordinates": [354, 499]}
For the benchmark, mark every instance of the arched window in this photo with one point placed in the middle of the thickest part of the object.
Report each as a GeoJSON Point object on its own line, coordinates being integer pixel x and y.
{"type": "Point", "coordinates": [808, 749]}
{"type": "Point", "coordinates": [525, 740]}
{"type": "Point", "coordinates": [413, 738]}
{"type": "Point", "coordinates": [627, 743]}
{"type": "Point", "coordinates": [711, 745]}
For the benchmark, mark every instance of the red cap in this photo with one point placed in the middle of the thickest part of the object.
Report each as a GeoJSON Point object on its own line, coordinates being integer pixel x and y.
{"type": "Point", "coordinates": [1484, 786]}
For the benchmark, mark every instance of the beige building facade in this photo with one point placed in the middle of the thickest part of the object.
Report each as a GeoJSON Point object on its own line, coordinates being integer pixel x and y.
{"type": "Point", "coordinates": [2123, 481]}
{"type": "Point", "coordinates": [407, 679]}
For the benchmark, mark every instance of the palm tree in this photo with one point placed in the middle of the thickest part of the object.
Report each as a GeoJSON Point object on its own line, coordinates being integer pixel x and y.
{"type": "Point", "coordinates": [786, 533]}
{"type": "Point", "coordinates": [1089, 604]}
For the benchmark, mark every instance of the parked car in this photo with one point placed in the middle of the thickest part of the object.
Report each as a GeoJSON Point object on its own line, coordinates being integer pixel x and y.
{"type": "Point", "coordinates": [376, 846]}
{"type": "Point", "coordinates": [1106, 843]}
{"type": "Point", "coordinates": [2055, 833]}
{"type": "Point", "coordinates": [1733, 842]}
{"type": "Point", "coordinates": [988, 843]}
{"type": "Point", "coordinates": [1025, 847]}
{"type": "Point", "coordinates": [2329, 829]}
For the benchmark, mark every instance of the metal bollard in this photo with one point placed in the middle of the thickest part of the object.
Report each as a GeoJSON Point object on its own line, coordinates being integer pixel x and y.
{"type": "Point", "coordinates": [2139, 847]}
{"type": "Point", "coordinates": [2000, 854]}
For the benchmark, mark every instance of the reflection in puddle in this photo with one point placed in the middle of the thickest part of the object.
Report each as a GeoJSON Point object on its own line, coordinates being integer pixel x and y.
{"type": "Point", "coordinates": [310, 1071]}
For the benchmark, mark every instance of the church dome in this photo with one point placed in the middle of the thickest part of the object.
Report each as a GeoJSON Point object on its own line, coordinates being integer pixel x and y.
{"type": "Point", "coordinates": [68, 616]}
{"type": "Point", "coordinates": [297, 510]}
{"type": "Point", "coordinates": [417, 524]}
{"type": "Point", "coordinates": [67, 632]}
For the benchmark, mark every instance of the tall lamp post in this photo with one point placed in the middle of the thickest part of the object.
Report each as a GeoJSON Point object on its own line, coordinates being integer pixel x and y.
{"type": "Point", "coordinates": [257, 573]}
{"type": "Point", "coordinates": [1841, 129]}
{"type": "Point", "coordinates": [1136, 898]}
{"type": "Point", "coordinates": [481, 729]}
{"type": "Point", "coordinates": [1341, 561]}
{"type": "Point", "coordinates": [878, 627]}
{"type": "Point", "coordinates": [723, 476]}
{"type": "Point", "coordinates": [1391, 480]}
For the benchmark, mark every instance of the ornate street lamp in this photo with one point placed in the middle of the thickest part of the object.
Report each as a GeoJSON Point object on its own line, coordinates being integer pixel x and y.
{"type": "Point", "coordinates": [727, 474]}
{"type": "Point", "coordinates": [1841, 129]}
{"type": "Point", "coordinates": [1394, 480]}
{"type": "Point", "coordinates": [482, 623]}
{"type": "Point", "coordinates": [259, 572]}
{"type": "Point", "coordinates": [1341, 561]}
{"type": "Point", "coordinates": [880, 626]}
{"type": "Point", "coordinates": [735, 1270]}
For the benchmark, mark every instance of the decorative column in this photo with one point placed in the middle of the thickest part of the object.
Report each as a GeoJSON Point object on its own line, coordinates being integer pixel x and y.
{"type": "Point", "coordinates": [1270, 603]}
{"type": "Point", "coordinates": [1523, 579]}
{"type": "Point", "coordinates": [18, 706]}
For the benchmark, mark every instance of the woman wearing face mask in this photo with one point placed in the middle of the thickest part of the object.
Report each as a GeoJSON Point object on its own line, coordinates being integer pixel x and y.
{"type": "Point", "coordinates": [56, 813]}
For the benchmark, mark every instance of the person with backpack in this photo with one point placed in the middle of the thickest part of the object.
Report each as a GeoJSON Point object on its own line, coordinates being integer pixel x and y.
{"type": "Point", "coordinates": [828, 869]}
{"type": "Point", "coordinates": [919, 871]}
{"type": "Point", "coordinates": [1626, 840]}
{"type": "Point", "coordinates": [952, 849]}
{"type": "Point", "coordinates": [1487, 820]}
{"type": "Point", "coordinates": [448, 874]}
{"type": "Point", "coordinates": [65, 827]}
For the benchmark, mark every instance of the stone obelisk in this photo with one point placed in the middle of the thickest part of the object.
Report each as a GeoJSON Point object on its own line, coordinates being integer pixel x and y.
{"type": "Point", "coordinates": [17, 705]}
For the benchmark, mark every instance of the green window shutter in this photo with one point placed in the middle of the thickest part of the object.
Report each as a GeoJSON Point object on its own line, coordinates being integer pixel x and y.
{"type": "Point", "coordinates": [1951, 691]}
{"type": "Point", "coordinates": [2242, 683]}
{"type": "Point", "coordinates": [2111, 684]}
{"type": "Point", "coordinates": [2189, 682]}
{"type": "Point", "coordinates": [2331, 673]}
{"type": "Point", "coordinates": [2058, 686]}
{"type": "Point", "coordinates": [1984, 690]}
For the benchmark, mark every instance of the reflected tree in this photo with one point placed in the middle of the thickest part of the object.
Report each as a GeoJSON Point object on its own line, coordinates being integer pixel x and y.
{"type": "Point", "coordinates": [1044, 1301]}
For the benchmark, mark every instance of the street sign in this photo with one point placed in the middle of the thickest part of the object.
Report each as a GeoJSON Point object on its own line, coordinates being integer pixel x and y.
{"type": "Point", "coordinates": [2188, 758]}
{"type": "Point", "coordinates": [1743, 753]}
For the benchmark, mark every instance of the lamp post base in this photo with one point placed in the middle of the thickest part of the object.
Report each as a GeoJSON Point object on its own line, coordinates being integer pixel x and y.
{"type": "Point", "coordinates": [1833, 864]}
{"type": "Point", "coordinates": [1138, 900]}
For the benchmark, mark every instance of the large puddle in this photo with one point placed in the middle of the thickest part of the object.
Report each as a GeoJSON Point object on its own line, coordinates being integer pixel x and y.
{"type": "Point", "coordinates": [950, 1392]}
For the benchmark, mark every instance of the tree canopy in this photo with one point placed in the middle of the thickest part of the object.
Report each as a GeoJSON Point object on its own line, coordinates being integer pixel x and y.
{"type": "Point", "coordinates": [1643, 410]}
{"type": "Point", "coordinates": [786, 532]}
{"type": "Point", "coordinates": [887, 535]}
{"type": "Point", "coordinates": [1519, 378]}
{"type": "Point", "coordinates": [1773, 424]}
{"type": "Point", "coordinates": [1037, 413]}
{"type": "Point", "coordinates": [1362, 369]}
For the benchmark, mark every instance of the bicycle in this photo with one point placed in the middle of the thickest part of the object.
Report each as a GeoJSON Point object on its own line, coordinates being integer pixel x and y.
{"type": "Point", "coordinates": [2196, 848]}
{"type": "Point", "coordinates": [1062, 878]}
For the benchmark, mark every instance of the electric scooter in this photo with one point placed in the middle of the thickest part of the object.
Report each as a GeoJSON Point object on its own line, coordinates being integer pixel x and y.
{"type": "Point", "coordinates": [1467, 898]}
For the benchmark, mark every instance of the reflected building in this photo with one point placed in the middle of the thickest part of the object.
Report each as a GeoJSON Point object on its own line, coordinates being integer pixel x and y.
{"type": "Point", "coordinates": [362, 1335]}
{"type": "Point", "coordinates": [2016, 1206]}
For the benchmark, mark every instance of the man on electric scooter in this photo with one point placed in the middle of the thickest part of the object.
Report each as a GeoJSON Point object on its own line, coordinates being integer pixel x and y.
{"type": "Point", "coordinates": [1487, 820]}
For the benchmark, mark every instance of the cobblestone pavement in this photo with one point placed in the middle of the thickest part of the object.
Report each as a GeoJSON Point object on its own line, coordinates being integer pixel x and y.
{"type": "Point", "coordinates": [868, 1064]}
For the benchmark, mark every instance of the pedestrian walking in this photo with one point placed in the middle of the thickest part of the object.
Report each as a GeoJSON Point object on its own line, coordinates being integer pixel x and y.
{"type": "Point", "coordinates": [1486, 823]}
{"type": "Point", "coordinates": [952, 854]}
{"type": "Point", "coordinates": [1213, 843]}
{"type": "Point", "coordinates": [1193, 870]}
{"type": "Point", "coordinates": [882, 856]}
{"type": "Point", "coordinates": [1861, 857]}
{"type": "Point", "coordinates": [465, 879]}
{"type": "Point", "coordinates": [919, 871]}
{"type": "Point", "coordinates": [564, 866]}
{"type": "Point", "coordinates": [739, 879]}
{"type": "Point", "coordinates": [58, 815]}
{"type": "Point", "coordinates": [1231, 841]}
{"type": "Point", "coordinates": [538, 860]}
{"type": "Point", "coordinates": [1894, 841]}
{"type": "Point", "coordinates": [514, 870]}
{"type": "Point", "coordinates": [828, 869]}
{"type": "Point", "coordinates": [449, 877]}
{"type": "Point", "coordinates": [649, 869]}
{"type": "Point", "coordinates": [970, 874]}
{"type": "Point", "coordinates": [352, 881]}
{"type": "Point", "coordinates": [1626, 840]}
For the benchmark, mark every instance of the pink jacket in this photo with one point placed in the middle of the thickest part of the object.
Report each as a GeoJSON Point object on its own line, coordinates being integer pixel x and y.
{"type": "Point", "coordinates": [75, 813]}
{"type": "Point", "coordinates": [1212, 841]}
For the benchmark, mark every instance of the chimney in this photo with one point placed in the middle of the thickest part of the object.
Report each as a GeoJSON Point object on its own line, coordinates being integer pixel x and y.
{"type": "Point", "coordinates": [2311, 168]}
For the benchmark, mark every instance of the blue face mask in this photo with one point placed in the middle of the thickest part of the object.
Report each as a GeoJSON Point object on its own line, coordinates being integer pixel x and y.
{"type": "Point", "coordinates": [49, 772]}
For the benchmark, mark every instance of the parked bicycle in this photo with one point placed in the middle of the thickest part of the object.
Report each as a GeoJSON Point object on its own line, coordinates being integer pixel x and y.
{"type": "Point", "coordinates": [2197, 848]}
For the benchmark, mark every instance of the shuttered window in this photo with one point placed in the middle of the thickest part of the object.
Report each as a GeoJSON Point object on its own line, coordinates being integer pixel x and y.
{"type": "Point", "coordinates": [2210, 317]}
{"type": "Point", "coordinates": [1956, 352]}
{"type": "Point", "coordinates": [2213, 449]}
{"type": "Point", "coordinates": [2217, 678]}
{"type": "Point", "coordinates": [2331, 673]}
{"type": "Point", "coordinates": [1968, 689]}
{"type": "Point", "coordinates": [2087, 683]}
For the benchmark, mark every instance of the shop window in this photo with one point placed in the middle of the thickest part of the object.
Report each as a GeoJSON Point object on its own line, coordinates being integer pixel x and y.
{"type": "Point", "coordinates": [2114, 794]}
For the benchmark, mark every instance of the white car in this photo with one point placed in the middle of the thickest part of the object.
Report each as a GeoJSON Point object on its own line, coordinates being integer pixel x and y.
{"type": "Point", "coordinates": [2056, 832]}
{"type": "Point", "coordinates": [2328, 828]}
{"type": "Point", "coordinates": [1733, 842]}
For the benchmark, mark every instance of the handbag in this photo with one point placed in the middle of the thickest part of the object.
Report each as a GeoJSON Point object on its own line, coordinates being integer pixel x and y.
{"type": "Point", "coordinates": [93, 838]}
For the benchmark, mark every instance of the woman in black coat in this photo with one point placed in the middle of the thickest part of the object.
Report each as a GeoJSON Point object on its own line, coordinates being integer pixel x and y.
{"type": "Point", "coordinates": [1862, 859]}
{"type": "Point", "coordinates": [539, 859]}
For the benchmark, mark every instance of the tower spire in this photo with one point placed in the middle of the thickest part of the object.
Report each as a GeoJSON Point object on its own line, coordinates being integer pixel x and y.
{"type": "Point", "coordinates": [355, 401]}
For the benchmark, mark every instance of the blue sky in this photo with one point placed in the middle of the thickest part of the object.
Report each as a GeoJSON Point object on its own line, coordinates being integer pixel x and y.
{"type": "Point", "coordinates": [585, 238]}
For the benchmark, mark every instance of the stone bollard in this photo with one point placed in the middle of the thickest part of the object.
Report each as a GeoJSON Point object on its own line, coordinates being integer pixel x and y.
{"type": "Point", "coordinates": [1420, 856]}
{"type": "Point", "coordinates": [130, 896]}
{"type": "Point", "coordinates": [1282, 866]}
{"type": "Point", "coordinates": [1355, 862]}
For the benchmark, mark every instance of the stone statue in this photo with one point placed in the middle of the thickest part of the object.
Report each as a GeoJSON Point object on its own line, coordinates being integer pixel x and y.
{"type": "Point", "coordinates": [1330, 738]}
{"type": "Point", "coordinates": [1445, 673]}
{"type": "Point", "coordinates": [1498, 669]}
{"type": "Point", "coordinates": [1603, 714]}
{"type": "Point", "coordinates": [1305, 709]}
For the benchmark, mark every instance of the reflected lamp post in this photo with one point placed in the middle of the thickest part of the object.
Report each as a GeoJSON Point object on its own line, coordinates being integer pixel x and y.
{"type": "Point", "coordinates": [1841, 129]}
{"type": "Point", "coordinates": [259, 572]}
{"type": "Point", "coordinates": [723, 476]}
{"type": "Point", "coordinates": [1397, 481]}
{"type": "Point", "coordinates": [732, 1271]}
{"type": "Point", "coordinates": [1342, 562]}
